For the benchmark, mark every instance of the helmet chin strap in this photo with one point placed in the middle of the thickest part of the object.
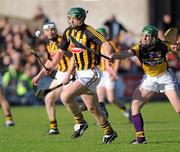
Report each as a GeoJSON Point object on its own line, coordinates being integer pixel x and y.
{"type": "Point", "coordinates": [153, 41]}
{"type": "Point", "coordinates": [80, 23]}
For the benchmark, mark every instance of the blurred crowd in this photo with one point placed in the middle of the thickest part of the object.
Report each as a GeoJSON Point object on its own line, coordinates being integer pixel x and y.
{"type": "Point", "coordinates": [17, 63]}
{"type": "Point", "coordinates": [19, 66]}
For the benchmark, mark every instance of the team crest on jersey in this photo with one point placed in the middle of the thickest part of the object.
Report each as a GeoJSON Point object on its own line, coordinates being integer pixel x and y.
{"type": "Point", "coordinates": [75, 49]}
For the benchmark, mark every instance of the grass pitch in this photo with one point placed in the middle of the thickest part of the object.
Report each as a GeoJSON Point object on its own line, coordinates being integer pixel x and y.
{"type": "Point", "coordinates": [162, 129]}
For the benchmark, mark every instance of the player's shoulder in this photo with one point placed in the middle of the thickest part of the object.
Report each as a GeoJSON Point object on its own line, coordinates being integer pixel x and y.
{"type": "Point", "coordinates": [164, 45]}
{"type": "Point", "coordinates": [90, 28]}
{"type": "Point", "coordinates": [59, 38]}
{"type": "Point", "coordinates": [136, 46]}
{"type": "Point", "coordinates": [161, 43]}
{"type": "Point", "coordinates": [67, 30]}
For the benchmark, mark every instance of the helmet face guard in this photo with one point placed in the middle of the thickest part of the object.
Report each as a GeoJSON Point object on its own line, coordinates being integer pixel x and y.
{"type": "Point", "coordinates": [151, 31]}
{"type": "Point", "coordinates": [49, 25]}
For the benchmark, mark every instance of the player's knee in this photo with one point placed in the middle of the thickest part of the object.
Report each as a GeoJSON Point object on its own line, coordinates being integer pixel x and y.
{"type": "Point", "coordinates": [111, 101]}
{"type": "Point", "coordinates": [64, 97]}
{"type": "Point", "coordinates": [177, 110]}
{"type": "Point", "coordinates": [135, 105]}
{"type": "Point", "coordinates": [49, 99]}
{"type": "Point", "coordinates": [92, 109]}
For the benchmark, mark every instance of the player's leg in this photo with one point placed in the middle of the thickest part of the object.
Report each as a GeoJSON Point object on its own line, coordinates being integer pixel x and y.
{"type": "Point", "coordinates": [50, 100]}
{"type": "Point", "coordinates": [68, 98]}
{"type": "Point", "coordinates": [140, 97]}
{"type": "Point", "coordinates": [91, 101]}
{"type": "Point", "coordinates": [101, 93]}
{"type": "Point", "coordinates": [110, 92]}
{"type": "Point", "coordinates": [6, 109]}
{"type": "Point", "coordinates": [121, 106]}
{"type": "Point", "coordinates": [174, 98]}
{"type": "Point", "coordinates": [170, 89]}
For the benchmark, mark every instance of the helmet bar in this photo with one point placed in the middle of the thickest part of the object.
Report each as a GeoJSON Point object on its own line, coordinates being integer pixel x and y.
{"type": "Point", "coordinates": [49, 25]}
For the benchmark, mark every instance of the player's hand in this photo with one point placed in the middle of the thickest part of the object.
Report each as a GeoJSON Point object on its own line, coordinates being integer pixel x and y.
{"type": "Point", "coordinates": [48, 70]}
{"type": "Point", "coordinates": [66, 80]}
{"type": "Point", "coordinates": [112, 74]}
{"type": "Point", "coordinates": [176, 47]}
{"type": "Point", "coordinates": [35, 80]}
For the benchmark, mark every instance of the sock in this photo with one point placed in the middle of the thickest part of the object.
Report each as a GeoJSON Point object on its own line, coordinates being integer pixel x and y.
{"type": "Point", "coordinates": [79, 118]}
{"type": "Point", "coordinates": [53, 124]}
{"type": "Point", "coordinates": [107, 129]}
{"type": "Point", "coordinates": [82, 107]}
{"type": "Point", "coordinates": [9, 117]}
{"type": "Point", "coordinates": [122, 107]}
{"type": "Point", "coordinates": [103, 108]}
{"type": "Point", "coordinates": [138, 122]}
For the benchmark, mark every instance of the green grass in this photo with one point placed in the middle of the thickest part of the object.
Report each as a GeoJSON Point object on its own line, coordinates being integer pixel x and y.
{"type": "Point", "coordinates": [162, 128]}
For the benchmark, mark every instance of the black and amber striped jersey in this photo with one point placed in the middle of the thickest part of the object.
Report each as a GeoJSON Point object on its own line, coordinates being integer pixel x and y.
{"type": "Point", "coordinates": [52, 48]}
{"type": "Point", "coordinates": [153, 59]}
{"type": "Point", "coordinates": [102, 61]}
{"type": "Point", "coordinates": [88, 36]}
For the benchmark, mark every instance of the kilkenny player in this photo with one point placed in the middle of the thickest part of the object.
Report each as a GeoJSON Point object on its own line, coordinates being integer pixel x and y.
{"type": "Point", "coordinates": [87, 73]}
{"type": "Point", "coordinates": [50, 31]}
{"type": "Point", "coordinates": [158, 77]}
{"type": "Point", "coordinates": [106, 87]}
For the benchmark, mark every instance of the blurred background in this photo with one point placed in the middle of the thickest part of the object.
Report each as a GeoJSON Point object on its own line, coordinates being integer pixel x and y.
{"type": "Point", "coordinates": [19, 19]}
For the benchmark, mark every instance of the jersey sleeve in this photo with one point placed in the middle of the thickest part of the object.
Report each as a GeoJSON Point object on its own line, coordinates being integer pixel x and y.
{"type": "Point", "coordinates": [135, 49]}
{"type": "Point", "coordinates": [169, 49]}
{"type": "Point", "coordinates": [95, 36]}
{"type": "Point", "coordinates": [64, 42]}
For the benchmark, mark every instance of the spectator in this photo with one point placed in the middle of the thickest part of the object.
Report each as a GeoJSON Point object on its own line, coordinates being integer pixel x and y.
{"type": "Point", "coordinates": [18, 83]}
{"type": "Point", "coordinates": [40, 15]}
{"type": "Point", "coordinates": [166, 22]}
{"type": "Point", "coordinates": [114, 27]}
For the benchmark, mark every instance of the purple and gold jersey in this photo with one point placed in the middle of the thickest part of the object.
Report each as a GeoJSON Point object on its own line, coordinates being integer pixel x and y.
{"type": "Point", "coordinates": [102, 62]}
{"type": "Point", "coordinates": [88, 36]}
{"type": "Point", "coordinates": [52, 48]}
{"type": "Point", "coordinates": [153, 59]}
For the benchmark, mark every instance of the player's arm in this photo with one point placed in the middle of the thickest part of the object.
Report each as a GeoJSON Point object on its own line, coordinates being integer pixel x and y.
{"type": "Point", "coordinates": [56, 58]}
{"type": "Point", "coordinates": [109, 68]}
{"type": "Point", "coordinates": [42, 71]}
{"type": "Point", "coordinates": [71, 70]}
{"type": "Point", "coordinates": [40, 74]}
{"type": "Point", "coordinates": [61, 51]}
{"type": "Point", "coordinates": [123, 54]}
{"type": "Point", "coordinates": [107, 49]}
{"type": "Point", "coordinates": [116, 63]}
{"type": "Point", "coordinates": [175, 47]}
